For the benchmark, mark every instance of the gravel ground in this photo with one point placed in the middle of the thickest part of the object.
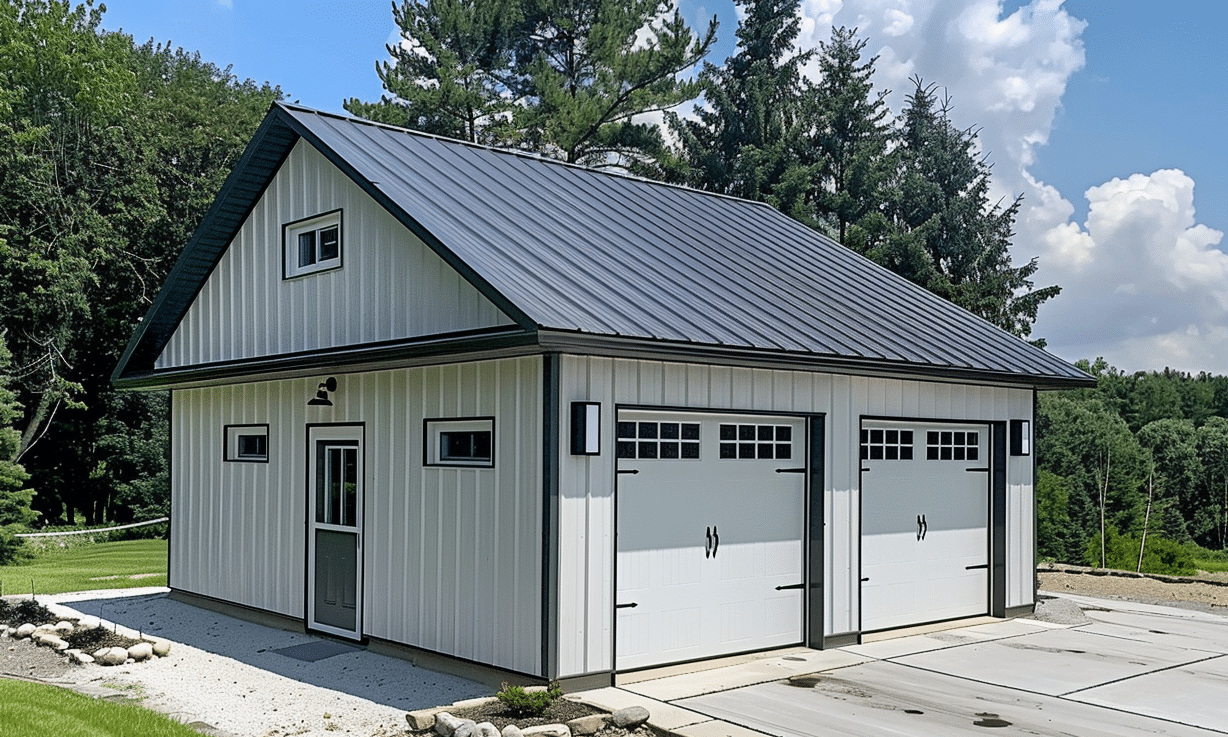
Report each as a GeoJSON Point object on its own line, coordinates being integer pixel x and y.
{"type": "Point", "coordinates": [224, 678]}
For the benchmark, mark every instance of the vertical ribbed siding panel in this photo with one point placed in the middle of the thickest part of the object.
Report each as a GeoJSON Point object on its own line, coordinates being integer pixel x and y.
{"type": "Point", "coordinates": [1021, 496]}
{"type": "Point", "coordinates": [390, 286]}
{"type": "Point", "coordinates": [452, 556]}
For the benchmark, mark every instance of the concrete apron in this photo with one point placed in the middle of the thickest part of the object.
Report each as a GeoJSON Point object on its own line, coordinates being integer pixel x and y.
{"type": "Point", "coordinates": [1133, 670]}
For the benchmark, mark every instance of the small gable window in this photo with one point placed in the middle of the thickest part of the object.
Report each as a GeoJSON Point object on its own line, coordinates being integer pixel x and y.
{"type": "Point", "coordinates": [312, 245]}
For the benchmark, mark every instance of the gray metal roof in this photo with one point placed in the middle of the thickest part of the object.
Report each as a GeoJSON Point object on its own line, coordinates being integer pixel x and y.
{"type": "Point", "coordinates": [567, 249]}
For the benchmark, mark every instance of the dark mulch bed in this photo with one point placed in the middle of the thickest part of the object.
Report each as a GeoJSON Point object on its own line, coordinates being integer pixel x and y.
{"type": "Point", "coordinates": [95, 638]}
{"type": "Point", "coordinates": [26, 610]}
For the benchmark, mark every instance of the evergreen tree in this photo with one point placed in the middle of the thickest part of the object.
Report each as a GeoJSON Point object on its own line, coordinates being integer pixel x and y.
{"type": "Point", "coordinates": [590, 69]}
{"type": "Point", "coordinates": [946, 235]}
{"type": "Point", "coordinates": [15, 498]}
{"type": "Point", "coordinates": [448, 75]}
{"type": "Point", "coordinates": [744, 140]}
{"type": "Point", "coordinates": [850, 142]}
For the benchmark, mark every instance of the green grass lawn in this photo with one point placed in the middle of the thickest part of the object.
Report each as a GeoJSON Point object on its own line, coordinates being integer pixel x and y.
{"type": "Point", "coordinates": [35, 710]}
{"type": "Point", "coordinates": [89, 567]}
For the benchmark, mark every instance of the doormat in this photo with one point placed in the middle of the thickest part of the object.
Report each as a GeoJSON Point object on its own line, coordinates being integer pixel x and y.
{"type": "Point", "coordinates": [313, 651]}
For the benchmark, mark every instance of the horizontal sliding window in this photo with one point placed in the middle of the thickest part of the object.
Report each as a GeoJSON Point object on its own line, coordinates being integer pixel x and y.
{"type": "Point", "coordinates": [247, 443]}
{"type": "Point", "coordinates": [460, 442]}
{"type": "Point", "coordinates": [312, 245]}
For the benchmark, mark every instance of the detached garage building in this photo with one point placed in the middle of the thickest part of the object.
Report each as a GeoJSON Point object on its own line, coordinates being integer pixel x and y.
{"type": "Point", "coordinates": [566, 423]}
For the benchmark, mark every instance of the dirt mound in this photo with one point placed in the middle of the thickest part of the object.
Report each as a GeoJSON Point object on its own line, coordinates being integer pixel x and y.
{"type": "Point", "coordinates": [93, 639]}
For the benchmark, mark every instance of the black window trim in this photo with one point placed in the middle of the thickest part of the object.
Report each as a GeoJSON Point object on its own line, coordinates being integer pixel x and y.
{"type": "Point", "coordinates": [288, 271]}
{"type": "Point", "coordinates": [230, 442]}
{"type": "Point", "coordinates": [431, 435]}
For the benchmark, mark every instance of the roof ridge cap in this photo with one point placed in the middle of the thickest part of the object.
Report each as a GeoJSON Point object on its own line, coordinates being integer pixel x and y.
{"type": "Point", "coordinates": [523, 154]}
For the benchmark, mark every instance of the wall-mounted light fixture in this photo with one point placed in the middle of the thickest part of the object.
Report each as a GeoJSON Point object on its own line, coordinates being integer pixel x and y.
{"type": "Point", "coordinates": [322, 391]}
{"type": "Point", "coordinates": [1021, 438]}
{"type": "Point", "coordinates": [586, 428]}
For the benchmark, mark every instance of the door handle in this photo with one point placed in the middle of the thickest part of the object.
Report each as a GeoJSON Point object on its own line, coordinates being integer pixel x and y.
{"type": "Point", "coordinates": [918, 527]}
{"type": "Point", "coordinates": [716, 540]}
{"type": "Point", "coordinates": [708, 544]}
{"type": "Point", "coordinates": [925, 527]}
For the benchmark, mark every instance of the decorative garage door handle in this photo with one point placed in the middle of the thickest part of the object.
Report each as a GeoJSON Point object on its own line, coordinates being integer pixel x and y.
{"type": "Point", "coordinates": [708, 544]}
{"type": "Point", "coordinates": [922, 527]}
{"type": "Point", "coordinates": [714, 541]}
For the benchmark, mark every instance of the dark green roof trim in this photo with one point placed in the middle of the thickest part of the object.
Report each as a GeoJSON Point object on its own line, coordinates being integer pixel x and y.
{"type": "Point", "coordinates": [469, 346]}
{"type": "Point", "coordinates": [655, 350]}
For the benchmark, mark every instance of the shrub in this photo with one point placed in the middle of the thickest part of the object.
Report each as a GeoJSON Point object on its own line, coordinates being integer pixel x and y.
{"type": "Point", "coordinates": [1162, 556]}
{"type": "Point", "coordinates": [521, 703]}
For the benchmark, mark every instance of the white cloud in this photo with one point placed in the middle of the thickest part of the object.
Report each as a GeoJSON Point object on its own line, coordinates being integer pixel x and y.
{"type": "Point", "coordinates": [226, 3]}
{"type": "Point", "coordinates": [1143, 284]}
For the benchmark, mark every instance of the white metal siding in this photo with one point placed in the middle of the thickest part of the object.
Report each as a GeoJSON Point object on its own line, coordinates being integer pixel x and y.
{"type": "Point", "coordinates": [452, 558]}
{"type": "Point", "coordinates": [587, 505]}
{"type": "Point", "coordinates": [390, 286]}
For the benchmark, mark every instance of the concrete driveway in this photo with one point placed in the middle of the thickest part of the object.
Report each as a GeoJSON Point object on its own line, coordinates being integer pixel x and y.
{"type": "Point", "coordinates": [1132, 669]}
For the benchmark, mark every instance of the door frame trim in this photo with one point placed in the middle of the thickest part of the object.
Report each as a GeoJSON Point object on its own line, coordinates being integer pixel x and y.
{"type": "Point", "coordinates": [309, 543]}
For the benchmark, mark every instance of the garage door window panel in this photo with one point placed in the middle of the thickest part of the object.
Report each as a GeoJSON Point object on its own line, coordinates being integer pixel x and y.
{"type": "Point", "coordinates": [756, 442]}
{"type": "Point", "coordinates": [658, 440]}
{"type": "Point", "coordinates": [952, 445]}
{"type": "Point", "coordinates": [879, 444]}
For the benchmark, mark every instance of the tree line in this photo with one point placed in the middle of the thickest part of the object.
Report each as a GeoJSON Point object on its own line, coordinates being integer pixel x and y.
{"type": "Point", "coordinates": [1140, 457]}
{"type": "Point", "coordinates": [111, 152]}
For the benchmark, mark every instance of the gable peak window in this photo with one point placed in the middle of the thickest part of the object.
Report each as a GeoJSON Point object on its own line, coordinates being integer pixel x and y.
{"type": "Point", "coordinates": [313, 244]}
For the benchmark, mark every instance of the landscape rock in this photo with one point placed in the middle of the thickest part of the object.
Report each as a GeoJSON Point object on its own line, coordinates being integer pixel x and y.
{"type": "Point", "coordinates": [64, 627]}
{"type": "Point", "coordinates": [111, 656]}
{"type": "Point", "coordinates": [89, 622]}
{"type": "Point", "coordinates": [630, 717]}
{"type": "Point", "coordinates": [141, 651]}
{"type": "Point", "coordinates": [446, 724]}
{"type": "Point", "coordinates": [471, 703]}
{"type": "Point", "coordinates": [25, 630]}
{"type": "Point", "coordinates": [57, 644]}
{"type": "Point", "coordinates": [511, 730]}
{"type": "Point", "coordinates": [80, 657]}
{"type": "Point", "coordinates": [591, 724]}
{"type": "Point", "coordinates": [418, 720]}
{"type": "Point", "coordinates": [486, 729]}
{"type": "Point", "coordinates": [162, 648]}
{"type": "Point", "coordinates": [547, 730]}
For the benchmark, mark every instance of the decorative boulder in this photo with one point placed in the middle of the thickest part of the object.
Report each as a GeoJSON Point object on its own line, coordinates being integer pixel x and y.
{"type": "Point", "coordinates": [511, 730]}
{"type": "Point", "coordinates": [80, 657]}
{"type": "Point", "coordinates": [547, 730]}
{"type": "Point", "coordinates": [486, 729]}
{"type": "Point", "coordinates": [25, 630]}
{"type": "Point", "coordinates": [141, 651]}
{"type": "Point", "coordinates": [446, 724]}
{"type": "Point", "coordinates": [630, 717]}
{"type": "Point", "coordinates": [64, 627]}
{"type": "Point", "coordinates": [418, 720]}
{"type": "Point", "coordinates": [162, 648]}
{"type": "Point", "coordinates": [591, 724]}
{"type": "Point", "coordinates": [111, 656]}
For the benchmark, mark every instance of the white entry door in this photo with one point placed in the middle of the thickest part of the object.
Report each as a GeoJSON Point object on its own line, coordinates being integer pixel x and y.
{"type": "Point", "coordinates": [334, 540]}
{"type": "Point", "coordinates": [924, 523]}
{"type": "Point", "coordinates": [711, 523]}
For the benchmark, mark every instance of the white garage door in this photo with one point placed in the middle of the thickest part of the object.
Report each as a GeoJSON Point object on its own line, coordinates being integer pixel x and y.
{"type": "Point", "coordinates": [711, 522]}
{"type": "Point", "coordinates": [924, 523]}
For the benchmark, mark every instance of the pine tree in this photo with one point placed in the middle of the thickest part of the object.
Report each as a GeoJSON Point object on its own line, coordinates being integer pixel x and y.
{"type": "Point", "coordinates": [744, 141]}
{"type": "Point", "coordinates": [15, 499]}
{"type": "Point", "coordinates": [945, 234]}
{"type": "Point", "coordinates": [589, 69]}
{"type": "Point", "coordinates": [850, 141]}
{"type": "Point", "coordinates": [448, 75]}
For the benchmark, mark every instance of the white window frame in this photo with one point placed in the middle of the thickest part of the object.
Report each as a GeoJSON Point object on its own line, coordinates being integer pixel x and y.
{"type": "Point", "coordinates": [233, 443]}
{"type": "Point", "coordinates": [433, 437]}
{"type": "Point", "coordinates": [314, 225]}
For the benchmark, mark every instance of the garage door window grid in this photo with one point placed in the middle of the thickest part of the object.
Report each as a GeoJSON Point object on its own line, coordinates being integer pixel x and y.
{"type": "Point", "coordinates": [663, 440]}
{"type": "Point", "coordinates": [952, 445]}
{"type": "Point", "coordinates": [748, 442]}
{"type": "Point", "coordinates": [886, 445]}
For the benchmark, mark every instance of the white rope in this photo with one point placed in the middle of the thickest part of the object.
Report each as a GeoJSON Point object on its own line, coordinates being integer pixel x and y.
{"type": "Point", "coordinates": [87, 532]}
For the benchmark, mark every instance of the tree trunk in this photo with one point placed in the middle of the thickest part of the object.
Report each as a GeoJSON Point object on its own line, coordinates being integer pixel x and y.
{"type": "Point", "coordinates": [1151, 490]}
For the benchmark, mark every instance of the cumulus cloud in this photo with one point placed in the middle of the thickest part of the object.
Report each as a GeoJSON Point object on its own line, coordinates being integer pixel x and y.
{"type": "Point", "coordinates": [1143, 284]}
{"type": "Point", "coordinates": [1143, 281]}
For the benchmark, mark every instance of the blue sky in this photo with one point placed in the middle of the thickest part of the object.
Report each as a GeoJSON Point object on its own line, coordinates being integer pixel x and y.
{"type": "Point", "coordinates": [1107, 116]}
